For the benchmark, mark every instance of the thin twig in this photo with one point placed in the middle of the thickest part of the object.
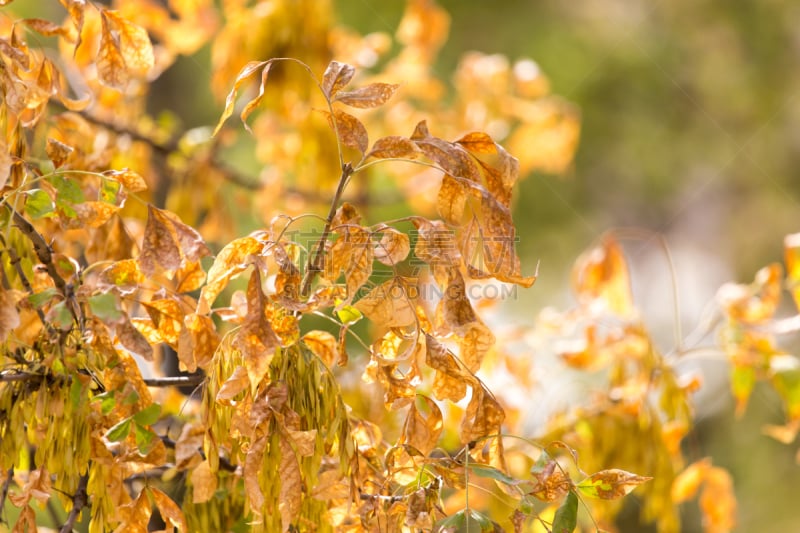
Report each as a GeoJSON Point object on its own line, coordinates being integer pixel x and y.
{"type": "Point", "coordinates": [313, 266]}
{"type": "Point", "coordinates": [79, 500]}
{"type": "Point", "coordinates": [175, 381]}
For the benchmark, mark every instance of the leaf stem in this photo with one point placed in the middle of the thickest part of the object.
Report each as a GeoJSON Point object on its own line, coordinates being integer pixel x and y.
{"type": "Point", "coordinates": [313, 265]}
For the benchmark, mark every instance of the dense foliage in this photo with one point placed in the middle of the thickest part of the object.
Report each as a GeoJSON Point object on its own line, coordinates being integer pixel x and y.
{"type": "Point", "coordinates": [349, 374]}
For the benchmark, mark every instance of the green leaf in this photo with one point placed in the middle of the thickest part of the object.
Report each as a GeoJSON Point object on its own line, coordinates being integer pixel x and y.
{"type": "Point", "coordinates": [492, 473]}
{"type": "Point", "coordinates": [131, 398]}
{"type": "Point", "coordinates": [145, 439]}
{"type": "Point", "coordinates": [466, 521]}
{"type": "Point", "coordinates": [105, 307]}
{"type": "Point", "coordinates": [39, 299]}
{"type": "Point", "coordinates": [566, 518]}
{"type": "Point", "coordinates": [541, 463]}
{"type": "Point", "coordinates": [109, 191]}
{"type": "Point", "coordinates": [76, 395]}
{"type": "Point", "coordinates": [69, 191]}
{"type": "Point", "coordinates": [60, 316]}
{"type": "Point", "coordinates": [38, 204]}
{"type": "Point", "coordinates": [349, 315]}
{"type": "Point", "coordinates": [119, 431]}
{"type": "Point", "coordinates": [107, 401]}
{"type": "Point", "coordinates": [149, 415]}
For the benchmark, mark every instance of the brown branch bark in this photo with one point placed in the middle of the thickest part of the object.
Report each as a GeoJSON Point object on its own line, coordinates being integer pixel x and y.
{"type": "Point", "coordinates": [79, 500]}
{"type": "Point", "coordinates": [175, 381]}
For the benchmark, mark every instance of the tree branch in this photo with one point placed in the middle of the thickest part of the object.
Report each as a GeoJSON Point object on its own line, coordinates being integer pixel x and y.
{"type": "Point", "coordinates": [313, 266]}
{"type": "Point", "coordinates": [79, 500]}
{"type": "Point", "coordinates": [175, 381]}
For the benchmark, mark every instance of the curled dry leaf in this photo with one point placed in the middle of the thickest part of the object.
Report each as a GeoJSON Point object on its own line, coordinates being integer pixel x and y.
{"type": "Point", "coordinates": [337, 75]}
{"type": "Point", "coordinates": [125, 51]}
{"type": "Point", "coordinates": [231, 261]}
{"type": "Point", "coordinates": [422, 430]}
{"type": "Point", "coordinates": [129, 179]}
{"type": "Point", "coordinates": [256, 339]}
{"type": "Point", "coordinates": [58, 152]}
{"type": "Point", "coordinates": [167, 241]}
{"type": "Point", "coordinates": [323, 345]}
{"type": "Point", "coordinates": [393, 247]}
{"type": "Point", "coordinates": [170, 512]}
{"type": "Point", "coordinates": [241, 78]}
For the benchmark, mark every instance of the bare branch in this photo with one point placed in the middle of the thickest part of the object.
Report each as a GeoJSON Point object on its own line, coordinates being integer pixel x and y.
{"type": "Point", "coordinates": [175, 381]}
{"type": "Point", "coordinates": [79, 500]}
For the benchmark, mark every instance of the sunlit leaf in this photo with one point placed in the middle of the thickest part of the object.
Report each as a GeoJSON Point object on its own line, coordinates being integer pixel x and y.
{"type": "Point", "coordinates": [38, 203]}
{"type": "Point", "coordinates": [129, 179]}
{"type": "Point", "coordinates": [231, 261]}
{"type": "Point", "coordinates": [791, 250]}
{"type": "Point", "coordinates": [256, 339]}
{"type": "Point", "coordinates": [204, 483]}
{"type": "Point", "coordinates": [170, 512]}
{"type": "Point", "coordinates": [757, 302]}
{"type": "Point", "coordinates": [236, 383]}
{"type": "Point", "coordinates": [125, 51]}
{"type": "Point", "coordinates": [324, 346]}
{"type": "Point", "coordinates": [9, 316]}
{"type": "Point", "coordinates": [119, 431]}
{"type": "Point", "coordinates": [57, 151]}
{"type": "Point", "coordinates": [422, 430]}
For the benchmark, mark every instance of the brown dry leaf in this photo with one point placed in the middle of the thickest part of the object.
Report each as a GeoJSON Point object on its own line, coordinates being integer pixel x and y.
{"type": "Point", "coordinates": [601, 273]}
{"type": "Point", "coordinates": [757, 302]}
{"type": "Point", "coordinates": [420, 430]}
{"type": "Point", "coordinates": [337, 75]}
{"type": "Point", "coordinates": [170, 512]}
{"type": "Point", "coordinates": [232, 260]}
{"type": "Point", "coordinates": [611, 484]}
{"type": "Point", "coordinates": [288, 279]}
{"type": "Point", "coordinates": [37, 486]}
{"type": "Point", "coordinates": [188, 445]}
{"type": "Point", "coordinates": [323, 345]}
{"type": "Point", "coordinates": [372, 95]}
{"type": "Point", "coordinates": [352, 253]}
{"type": "Point", "coordinates": [111, 241]}
{"type": "Point", "coordinates": [241, 78]}
{"type": "Point", "coordinates": [198, 342]}
{"type": "Point", "coordinates": [204, 483]}
{"type": "Point", "coordinates": [236, 383]}
{"type": "Point", "coordinates": [6, 162]}
{"type": "Point", "coordinates": [26, 522]}
{"type": "Point", "coordinates": [450, 381]}
{"type": "Point", "coordinates": [388, 305]}
{"type": "Point", "coordinates": [551, 483]}
{"type": "Point", "coordinates": [452, 200]}
{"type": "Point", "coordinates": [135, 515]}
{"type": "Point", "coordinates": [132, 181]}
{"type": "Point", "coordinates": [9, 316]}
{"type": "Point", "coordinates": [252, 466]}
{"type": "Point", "coordinates": [132, 340]}
{"type": "Point", "coordinates": [160, 245]}
{"type": "Point", "coordinates": [304, 442]}
{"type": "Point", "coordinates": [484, 415]}
{"type": "Point", "coordinates": [346, 214]}
{"type": "Point", "coordinates": [291, 493]}
{"type": "Point", "coordinates": [394, 147]}
{"type": "Point", "coordinates": [478, 143]}
{"type": "Point", "coordinates": [451, 157]}
{"type": "Point", "coordinates": [252, 104]}
{"type": "Point", "coordinates": [57, 152]}
{"type": "Point", "coordinates": [46, 27]}
{"type": "Point", "coordinates": [190, 277]}
{"type": "Point", "coordinates": [475, 344]}
{"type": "Point", "coordinates": [351, 131]}
{"type": "Point", "coordinates": [125, 51]}
{"type": "Point", "coordinates": [436, 244]}
{"type": "Point", "coordinates": [393, 247]}
{"type": "Point", "coordinates": [256, 339]}
{"type": "Point", "coordinates": [90, 214]}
